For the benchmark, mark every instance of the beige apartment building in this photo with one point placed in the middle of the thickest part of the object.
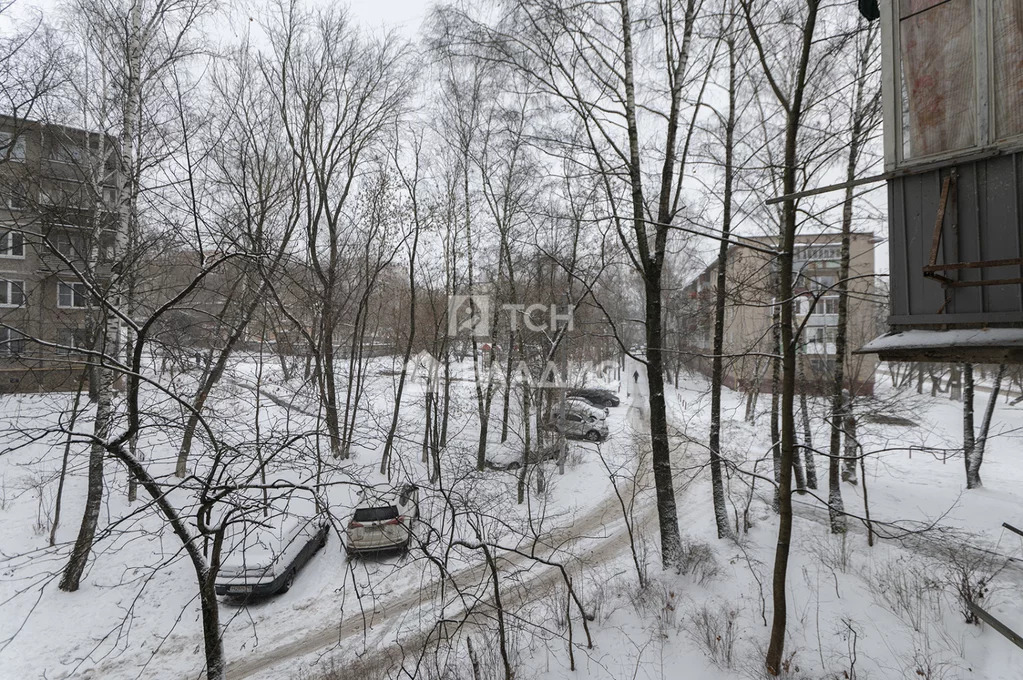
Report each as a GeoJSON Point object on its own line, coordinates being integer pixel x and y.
{"type": "Point", "coordinates": [58, 189]}
{"type": "Point", "coordinates": [750, 304]}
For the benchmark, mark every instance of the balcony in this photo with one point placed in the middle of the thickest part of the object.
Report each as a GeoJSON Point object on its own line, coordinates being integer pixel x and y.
{"type": "Point", "coordinates": [817, 320]}
{"type": "Point", "coordinates": [51, 263]}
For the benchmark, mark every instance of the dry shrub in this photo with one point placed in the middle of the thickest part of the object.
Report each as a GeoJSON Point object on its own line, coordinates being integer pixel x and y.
{"type": "Point", "coordinates": [906, 587]}
{"type": "Point", "coordinates": [714, 628]}
{"type": "Point", "coordinates": [697, 560]}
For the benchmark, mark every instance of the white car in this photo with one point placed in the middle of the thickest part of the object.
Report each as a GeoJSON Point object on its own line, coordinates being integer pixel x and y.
{"type": "Point", "coordinates": [383, 521]}
{"type": "Point", "coordinates": [583, 407]}
{"type": "Point", "coordinates": [261, 555]}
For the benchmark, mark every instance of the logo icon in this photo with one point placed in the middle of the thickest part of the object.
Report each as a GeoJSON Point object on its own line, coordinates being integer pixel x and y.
{"type": "Point", "coordinates": [469, 313]}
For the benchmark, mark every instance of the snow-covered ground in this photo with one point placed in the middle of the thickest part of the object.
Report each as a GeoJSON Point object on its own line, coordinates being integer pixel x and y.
{"type": "Point", "coordinates": [870, 612]}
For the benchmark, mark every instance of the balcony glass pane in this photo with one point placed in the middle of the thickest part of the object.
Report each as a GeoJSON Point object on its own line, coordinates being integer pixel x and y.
{"type": "Point", "coordinates": [938, 76]}
{"type": "Point", "coordinates": [1007, 24]}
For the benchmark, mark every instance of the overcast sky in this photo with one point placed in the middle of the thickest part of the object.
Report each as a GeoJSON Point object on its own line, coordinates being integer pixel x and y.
{"type": "Point", "coordinates": [401, 14]}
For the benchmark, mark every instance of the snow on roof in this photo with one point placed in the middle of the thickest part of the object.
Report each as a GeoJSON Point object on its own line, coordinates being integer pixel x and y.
{"type": "Point", "coordinates": [934, 341]}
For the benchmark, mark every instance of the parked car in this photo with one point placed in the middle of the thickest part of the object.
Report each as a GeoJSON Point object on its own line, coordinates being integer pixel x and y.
{"type": "Point", "coordinates": [383, 521]}
{"type": "Point", "coordinates": [510, 459]}
{"type": "Point", "coordinates": [583, 407]}
{"type": "Point", "coordinates": [262, 555]}
{"type": "Point", "coordinates": [601, 398]}
{"type": "Point", "coordinates": [579, 427]}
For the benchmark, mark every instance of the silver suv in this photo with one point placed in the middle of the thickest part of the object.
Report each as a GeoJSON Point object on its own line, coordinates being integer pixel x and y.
{"type": "Point", "coordinates": [383, 521]}
{"type": "Point", "coordinates": [577, 426]}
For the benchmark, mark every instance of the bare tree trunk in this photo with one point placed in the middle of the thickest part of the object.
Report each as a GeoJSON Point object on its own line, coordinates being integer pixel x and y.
{"type": "Point", "coordinates": [72, 576]}
{"type": "Point", "coordinates": [811, 467]}
{"type": "Point", "coordinates": [524, 470]}
{"type": "Point", "coordinates": [851, 447]}
{"type": "Point", "coordinates": [776, 398]}
{"type": "Point", "coordinates": [717, 369]}
{"type": "Point", "coordinates": [974, 462]}
{"type": "Point", "coordinates": [210, 381]}
{"type": "Point", "coordinates": [969, 438]}
{"type": "Point", "coordinates": [385, 459]}
{"type": "Point", "coordinates": [793, 106]}
{"type": "Point", "coordinates": [75, 409]}
{"type": "Point", "coordinates": [111, 338]}
{"type": "Point", "coordinates": [507, 388]}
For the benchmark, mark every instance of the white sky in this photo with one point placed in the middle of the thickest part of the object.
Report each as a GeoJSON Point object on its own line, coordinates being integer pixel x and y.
{"type": "Point", "coordinates": [404, 15]}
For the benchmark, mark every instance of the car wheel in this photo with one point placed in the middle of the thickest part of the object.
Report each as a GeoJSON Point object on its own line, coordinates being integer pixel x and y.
{"type": "Point", "coordinates": [289, 581]}
{"type": "Point", "coordinates": [593, 436]}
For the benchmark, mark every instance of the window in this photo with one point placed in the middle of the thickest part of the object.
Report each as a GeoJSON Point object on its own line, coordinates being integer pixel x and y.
{"type": "Point", "coordinates": [819, 253]}
{"type": "Point", "coordinates": [15, 200]}
{"type": "Point", "coordinates": [72, 295]}
{"type": "Point", "coordinates": [12, 293]}
{"type": "Point", "coordinates": [823, 334]}
{"type": "Point", "coordinates": [12, 148]}
{"type": "Point", "coordinates": [69, 245]}
{"type": "Point", "coordinates": [827, 305]}
{"type": "Point", "coordinates": [72, 340]}
{"type": "Point", "coordinates": [823, 283]}
{"type": "Point", "coordinates": [1008, 62]}
{"type": "Point", "coordinates": [12, 244]}
{"type": "Point", "coordinates": [12, 342]}
{"type": "Point", "coordinates": [939, 78]}
{"type": "Point", "coordinates": [67, 152]}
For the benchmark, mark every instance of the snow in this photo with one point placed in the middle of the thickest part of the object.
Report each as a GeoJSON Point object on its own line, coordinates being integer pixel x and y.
{"type": "Point", "coordinates": [961, 337]}
{"type": "Point", "coordinates": [890, 606]}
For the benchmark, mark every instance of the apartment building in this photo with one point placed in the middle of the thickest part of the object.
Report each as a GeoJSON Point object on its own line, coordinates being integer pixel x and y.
{"type": "Point", "coordinates": [58, 189]}
{"type": "Point", "coordinates": [750, 306]}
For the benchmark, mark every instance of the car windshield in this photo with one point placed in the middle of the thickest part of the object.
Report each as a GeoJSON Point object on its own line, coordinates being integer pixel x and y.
{"type": "Point", "coordinates": [251, 544]}
{"type": "Point", "coordinates": [375, 514]}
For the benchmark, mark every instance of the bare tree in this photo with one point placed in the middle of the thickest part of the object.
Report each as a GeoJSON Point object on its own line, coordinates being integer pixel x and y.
{"type": "Point", "coordinates": [583, 57]}
{"type": "Point", "coordinates": [863, 118]}
{"type": "Point", "coordinates": [338, 95]}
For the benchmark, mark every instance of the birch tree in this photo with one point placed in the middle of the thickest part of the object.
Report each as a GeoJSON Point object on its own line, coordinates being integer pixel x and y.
{"type": "Point", "coordinates": [135, 45]}
{"type": "Point", "coordinates": [583, 57]}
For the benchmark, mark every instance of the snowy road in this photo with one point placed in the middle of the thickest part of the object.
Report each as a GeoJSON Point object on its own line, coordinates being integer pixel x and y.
{"type": "Point", "coordinates": [599, 531]}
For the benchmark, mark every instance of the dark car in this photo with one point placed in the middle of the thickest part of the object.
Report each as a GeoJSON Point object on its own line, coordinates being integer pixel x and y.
{"type": "Point", "coordinates": [510, 459]}
{"type": "Point", "coordinates": [601, 398]}
{"type": "Point", "coordinates": [262, 558]}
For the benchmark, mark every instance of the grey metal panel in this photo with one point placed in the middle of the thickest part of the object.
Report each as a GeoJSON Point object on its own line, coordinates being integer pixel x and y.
{"type": "Point", "coordinates": [987, 224]}
{"type": "Point", "coordinates": [920, 203]}
{"type": "Point", "coordinates": [898, 290]}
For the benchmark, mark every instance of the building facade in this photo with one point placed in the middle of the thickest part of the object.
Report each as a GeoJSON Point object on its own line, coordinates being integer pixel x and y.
{"type": "Point", "coordinates": [750, 313]}
{"type": "Point", "coordinates": [58, 197]}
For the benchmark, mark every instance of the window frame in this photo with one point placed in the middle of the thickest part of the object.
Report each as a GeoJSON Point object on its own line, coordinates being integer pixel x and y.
{"type": "Point", "coordinates": [5, 247]}
{"type": "Point", "coordinates": [17, 147]}
{"type": "Point", "coordinates": [986, 138]}
{"type": "Point", "coordinates": [8, 286]}
{"type": "Point", "coordinates": [73, 286]}
{"type": "Point", "coordinates": [11, 346]}
{"type": "Point", "coordinates": [68, 341]}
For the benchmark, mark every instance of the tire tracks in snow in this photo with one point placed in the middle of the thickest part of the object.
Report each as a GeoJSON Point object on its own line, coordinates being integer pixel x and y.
{"type": "Point", "coordinates": [603, 524]}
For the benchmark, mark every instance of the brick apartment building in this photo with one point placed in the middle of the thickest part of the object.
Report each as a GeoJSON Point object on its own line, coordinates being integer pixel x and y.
{"type": "Point", "coordinates": [58, 191]}
{"type": "Point", "coordinates": [750, 304]}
